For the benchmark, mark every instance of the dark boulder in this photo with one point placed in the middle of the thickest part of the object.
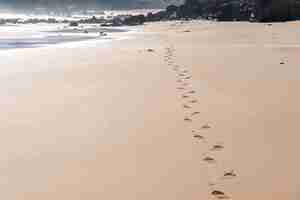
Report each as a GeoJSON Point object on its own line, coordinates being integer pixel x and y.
{"type": "Point", "coordinates": [74, 24]}
{"type": "Point", "coordinates": [134, 20]}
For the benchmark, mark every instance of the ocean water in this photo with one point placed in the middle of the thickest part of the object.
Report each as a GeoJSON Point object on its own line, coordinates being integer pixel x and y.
{"type": "Point", "coordinates": [14, 36]}
{"type": "Point", "coordinates": [39, 35]}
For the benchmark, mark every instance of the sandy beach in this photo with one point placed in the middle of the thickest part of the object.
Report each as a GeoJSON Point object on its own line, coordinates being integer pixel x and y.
{"type": "Point", "coordinates": [175, 111]}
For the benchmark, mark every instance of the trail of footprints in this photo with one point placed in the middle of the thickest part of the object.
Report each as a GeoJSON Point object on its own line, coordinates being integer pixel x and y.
{"type": "Point", "coordinates": [188, 95]}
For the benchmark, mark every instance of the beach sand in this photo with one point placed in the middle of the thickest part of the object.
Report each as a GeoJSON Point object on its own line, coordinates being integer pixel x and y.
{"type": "Point", "coordinates": [136, 118]}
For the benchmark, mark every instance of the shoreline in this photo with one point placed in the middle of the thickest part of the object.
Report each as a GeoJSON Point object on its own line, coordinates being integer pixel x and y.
{"type": "Point", "coordinates": [36, 36]}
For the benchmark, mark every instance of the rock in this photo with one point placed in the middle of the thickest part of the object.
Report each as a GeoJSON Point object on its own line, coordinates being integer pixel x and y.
{"type": "Point", "coordinates": [134, 20]}
{"type": "Point", "coordinates": [150, 50]}
{"type": "Point", "coordinates": [74, 24]}
{"type": "Point", "coordinates": [102, 33]}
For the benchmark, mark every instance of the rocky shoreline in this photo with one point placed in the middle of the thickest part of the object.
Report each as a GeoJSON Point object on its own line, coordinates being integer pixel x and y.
{"type": "Point", "coordinates": [222, 10]}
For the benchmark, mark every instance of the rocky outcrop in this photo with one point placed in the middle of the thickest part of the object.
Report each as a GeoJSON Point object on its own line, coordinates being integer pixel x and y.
{"type": "Point", "coordinates": [232, 10]}
{"type": "Point", "coordinates": [277, 10]}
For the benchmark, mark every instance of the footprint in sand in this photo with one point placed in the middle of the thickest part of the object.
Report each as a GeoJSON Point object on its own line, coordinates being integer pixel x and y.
{"type": "Point", "coordinates": [199, 137]}
{"type": "Point", "coordinates": [187, 119]}
{"type": "Point", "coordinates": [229, 174]}
{"type": "Point", "coordinates": [193, 101]}
{"type": "Point", "coordinates": [186, 106]}
{"type": "Point", "coordinates": [209, 159]}
{"type": "Point", "coordinates": [219, 194]}
{"type": "Point", "coordinates": [217, 147]}
{"type": "Point", "coordinates": [206, 126]}
{"type": "Point", "coordinates": [185, 71]}
{"type": "Point", "coordinates": [195, 113]}
{"type": "Point", "coordinates": [185, 96]}
{"type": "Point", "coordinates": [181, 75]}
{"type": "Point", "coordinates": [191, 92]}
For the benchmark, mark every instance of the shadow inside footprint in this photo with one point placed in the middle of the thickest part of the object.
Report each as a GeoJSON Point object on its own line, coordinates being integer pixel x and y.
{"type": "Point", "coordinates": [230, 174]}
{"type": "Point", "coordinates": [200, 137]}
{"type": "Point", "coordinates": [194, 101]}
{"type": "Point", "coordinates": [209, 159]}
{"type": "Point", "coordinates": [188, 119]}
{"type": "Point", "coordinates": [219, 194]}
{"type": "Point", "coordinates": [186, 106]}
{"type": "Point", "coordinates": [195, 113]}
{"type": "Point", "coordinates": [217, 147]}
{"type": "Point", "coordinates": [191, 92]}
{"type": "Point", "coordinates": [185, 96]}
{"type": "Point", "coordinates": [206, 126]}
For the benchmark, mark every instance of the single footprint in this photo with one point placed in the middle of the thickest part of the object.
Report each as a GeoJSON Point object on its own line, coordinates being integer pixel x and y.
{"type": "Point", "coordinates": [193, 101]}
{"type": "Point", "coordinates": [230, 174]}
{"type": "Point", "coordinates": [195, 113]}
{"type": "Point", "coordinates": [186, 106]}
{"type": "Point", "coordinates": [187, 119]}
{"type": "Point", "coordinates": [209, 159]}
{"type": "Point", "coordinates": [189, 77]}
{"type": "Point", "coordinates": [219, 194]}
{"type": "Point", "coordinates": [206, 126]}
{"type": "Point", "coordinates": [185, 96]}
{"type": "Point", "coordinates": [197, 136]}
{"type": "Point", "coordinates": [191, 92]}
{"type": "Point", "coordinates": [217, 147]}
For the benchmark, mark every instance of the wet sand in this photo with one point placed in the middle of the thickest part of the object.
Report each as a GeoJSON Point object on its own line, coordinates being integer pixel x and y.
{"type": "Point", "coordinates": [179, 111]}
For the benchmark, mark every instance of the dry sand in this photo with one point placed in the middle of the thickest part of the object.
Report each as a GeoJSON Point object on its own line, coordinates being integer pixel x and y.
{"type": "Point", "coordinates": [115, 121]}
